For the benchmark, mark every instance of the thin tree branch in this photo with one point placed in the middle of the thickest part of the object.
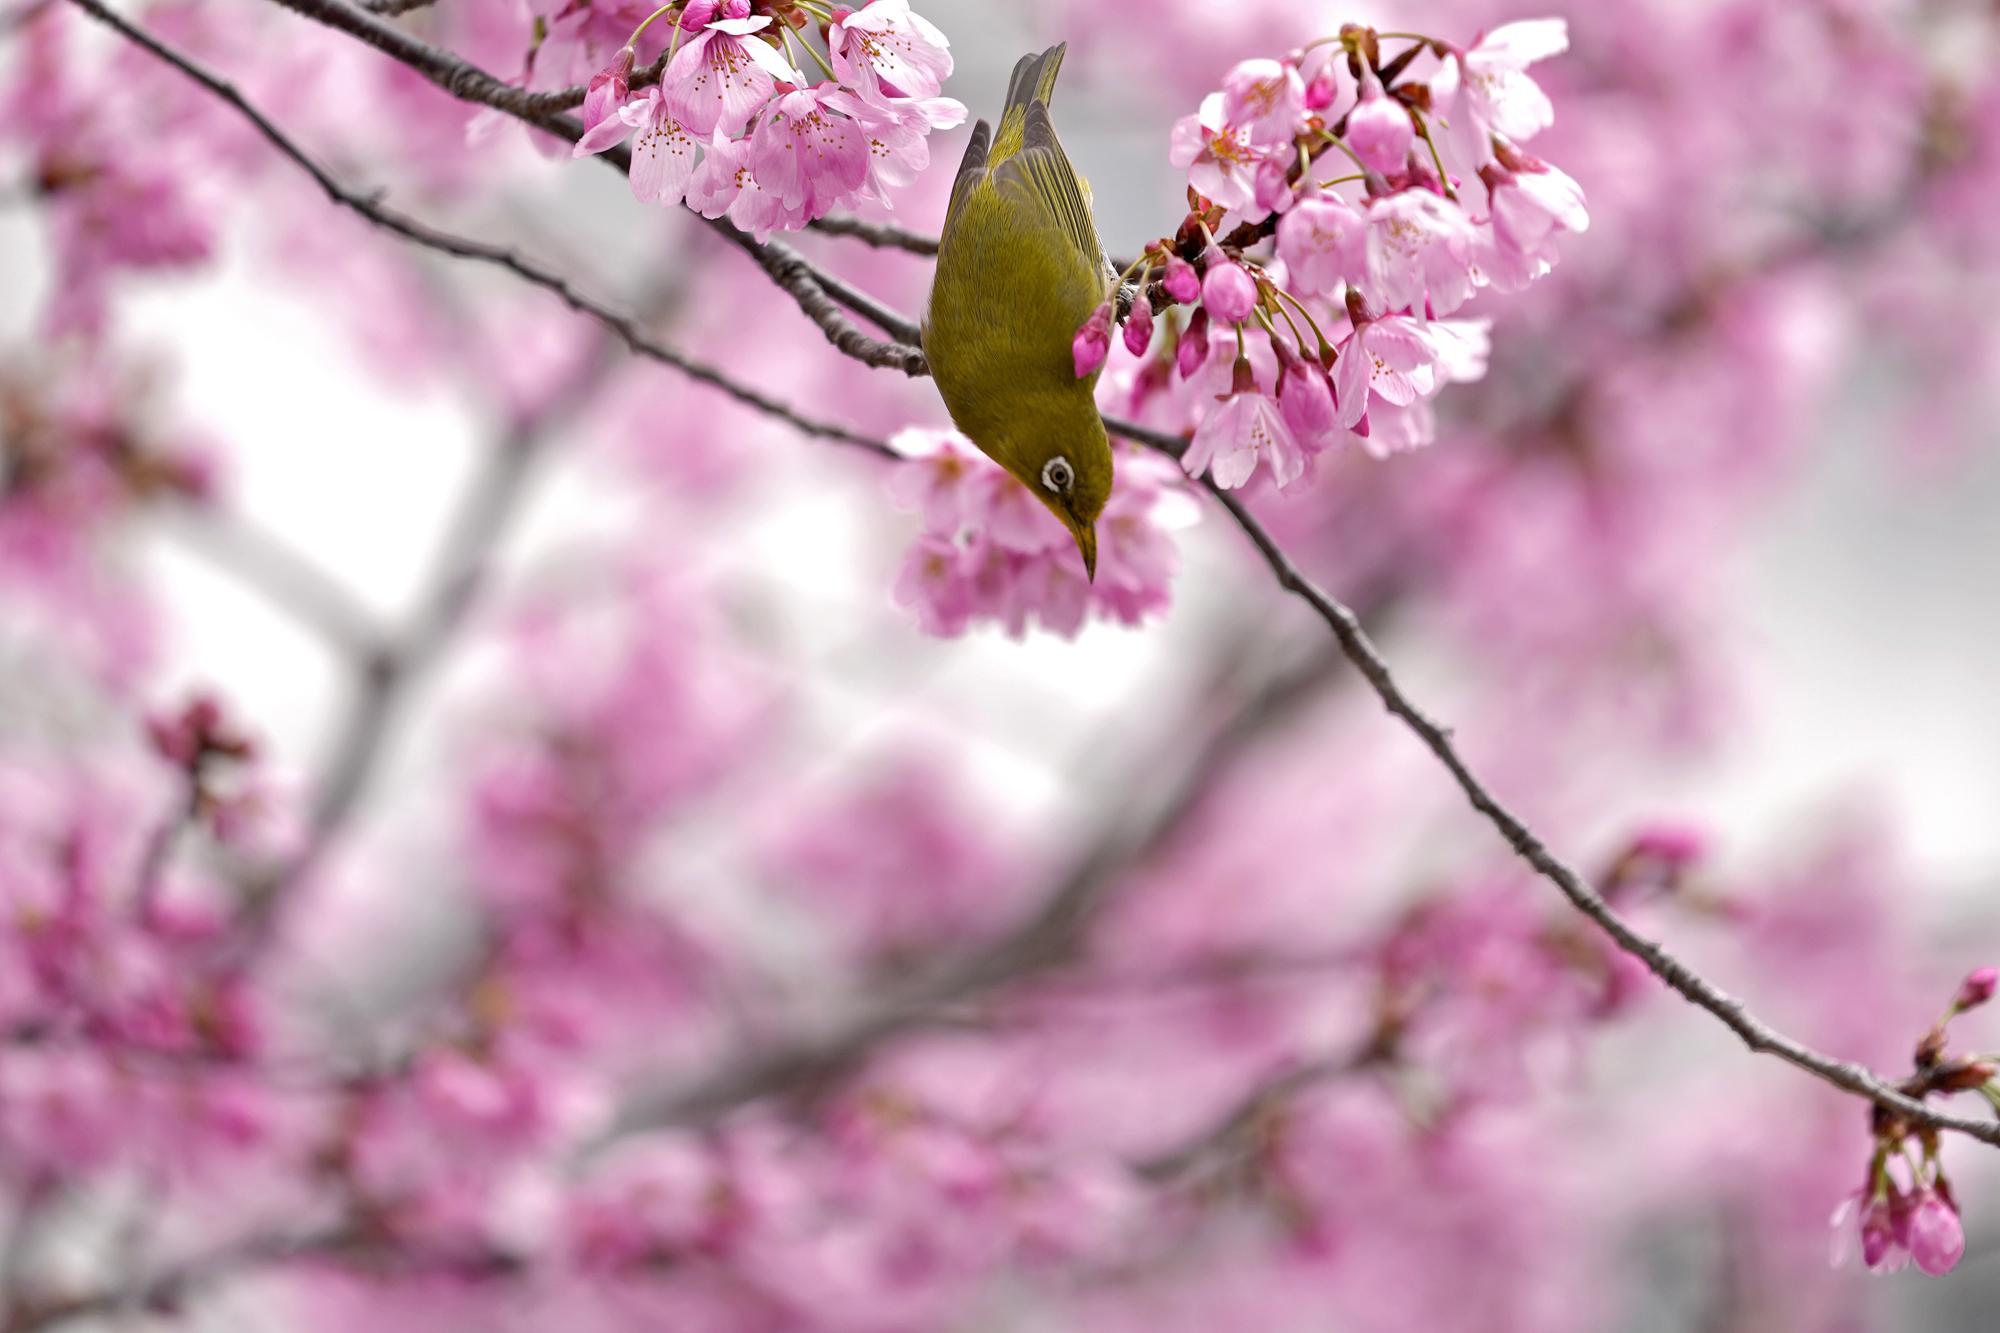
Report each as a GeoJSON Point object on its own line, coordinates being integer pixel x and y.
{"type": "Point", "coordinates": [383, 680]}
{"type": "Point", "coordinates": [1257, 1105]}
{"type": "Point", "coordinates": [389, 9]}
{"type": "Point", "coordinates": [1359, 649]}
{"type": "Point", "coordinates": [877, 235]}
{"type": "Point", "coordinates": [818, 294]}
{"type": "Point", "coordinates": [411, 229]}
{"type": "Point", "coordinates": [1045, 939]}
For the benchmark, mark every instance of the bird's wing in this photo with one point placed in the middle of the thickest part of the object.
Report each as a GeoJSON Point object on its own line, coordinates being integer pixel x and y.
{"type": "Point", "coordinates": [1041, 173]}
{"type": "Point", "coordinates": [971, 168]}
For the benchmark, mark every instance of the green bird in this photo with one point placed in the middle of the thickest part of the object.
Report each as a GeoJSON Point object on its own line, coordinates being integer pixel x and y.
{"type": "Point", "coordinates": [1019, 269]}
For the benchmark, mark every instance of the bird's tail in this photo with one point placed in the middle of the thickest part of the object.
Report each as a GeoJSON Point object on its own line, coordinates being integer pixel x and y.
{"type": "Point", "coordinates": [1034, 81]}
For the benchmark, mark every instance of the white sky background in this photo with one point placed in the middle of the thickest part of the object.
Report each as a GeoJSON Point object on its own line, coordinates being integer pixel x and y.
{"type": "Point", "coordinates": [1865, 603]}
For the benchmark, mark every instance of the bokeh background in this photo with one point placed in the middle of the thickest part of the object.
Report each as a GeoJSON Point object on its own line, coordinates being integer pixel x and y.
{"type": "Point", "coordinates": [1765, 614]}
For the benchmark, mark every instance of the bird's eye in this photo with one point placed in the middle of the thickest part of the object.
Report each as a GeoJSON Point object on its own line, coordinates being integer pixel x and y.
{"type": "Point", "coordinates": [1057, 476]}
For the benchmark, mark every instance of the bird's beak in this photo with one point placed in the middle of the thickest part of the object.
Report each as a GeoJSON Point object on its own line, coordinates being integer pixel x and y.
{"type": "Point", "coordinates": [1086, 542]}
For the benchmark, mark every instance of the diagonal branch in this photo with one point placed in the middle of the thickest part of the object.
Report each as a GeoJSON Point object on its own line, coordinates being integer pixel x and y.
{"type": "Point", "coordinates": [401, 224]}
{"type": "Point", "coordinates": [1044, 939]}
{"type": "Point", "coordinates": [1359, 649]}
{"type": "Point", "coordinates": [817, 294]}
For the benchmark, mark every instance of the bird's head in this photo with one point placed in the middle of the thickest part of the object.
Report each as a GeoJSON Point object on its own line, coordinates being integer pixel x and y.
{"type": "Point", "coordinates": [1069, 471]}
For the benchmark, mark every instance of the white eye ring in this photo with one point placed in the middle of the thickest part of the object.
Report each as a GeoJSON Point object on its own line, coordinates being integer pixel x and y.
{"type": "Point", "coordinates": [1058, 475]}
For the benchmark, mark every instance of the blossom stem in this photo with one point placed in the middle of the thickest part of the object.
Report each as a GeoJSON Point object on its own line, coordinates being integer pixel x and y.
{"type": "Point", "coordinates": [810, 50]}
{"type": "Point", "coordinates": [647, 22]}
{"type": "Point", "coordinates": [1325, 347]}
{"type": "Point", "coordinates": [1342, 180]}
{"type": "Point", "coordinates": [1424, 130]}
{"type": "Point", "coordinates": [1341, 144]}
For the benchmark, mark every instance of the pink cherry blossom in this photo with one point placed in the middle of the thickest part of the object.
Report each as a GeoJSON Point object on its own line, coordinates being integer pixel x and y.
{"type": "Point", "coordinates": [1222, 159]}
{"type": "Point", "coordinates": [808, 154]}
{"type": "Point", "coordinates": [1530, 208]}
{"type": "Point", "coordinates": [1323, 242]}
{"type": "Point", "coordinates": [1245, 429]}
{"type": "Point", "coordinates": [1266, 98]}
{"type": "Point", "coordinates": [887, 51]}
{"type": "Point", "coordinates": [1485, 90]}
{"type": "Point", "coordinates": [1181, 281]}
{"type": "Point", "coordinates": [1419, 253]}
{"type": "Point", "coordinates": [721, 76]}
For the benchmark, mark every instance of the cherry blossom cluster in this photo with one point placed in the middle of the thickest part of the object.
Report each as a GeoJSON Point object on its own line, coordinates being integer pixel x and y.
{"type": "Point", "coordinates": [1392, 201]}
{"type": "Point", "coordinates": [1905, 1211]}
{"type": "Point", "coordinates": [734, 129]}
{"type": "Point", "coordinates": [990, 551]}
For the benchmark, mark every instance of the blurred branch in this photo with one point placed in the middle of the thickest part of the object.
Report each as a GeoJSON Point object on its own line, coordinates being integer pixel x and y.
{"type": "Point", "coordinates": [166, 1289]}
{"type": "Point", "coordinates": [286, 578]}
{"type": "Point", "coordinates": [370, 207]}
{"type": "Point", "coordinates": [1255, 1108]}
{"type": "Point", "coordinates": [454, 586]}
{"type": "Point", "coordinates": [1047, 938]}
{"type": "Point", "coordinates": [389, 9]}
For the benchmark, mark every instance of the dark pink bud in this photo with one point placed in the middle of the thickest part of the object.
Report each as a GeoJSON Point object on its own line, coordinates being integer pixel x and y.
{"type": "Point", "coordinates": [1092, 342]}
{"type": "Point", "coordinates": [1322, 90]}
{"type": "Point", "coordinates": [1181, 282]}
{"type": "Point", "coordinates": [1976, 989]}
{"type": "Point", "coordinates": [1936, 1236]}
{"type": "Point", "coordinates": [698, 15]}
{"type": "Point", "coordinates": [1139, 327]}
{"type": "Point", "coordinates": [736, 9]}
{"type": "Point", "coordinates": [1192, 354]}
{"type": "Point", "coordinates": [1228, 291]}
{"type": "Point", "coordinates": [1879, 1248]}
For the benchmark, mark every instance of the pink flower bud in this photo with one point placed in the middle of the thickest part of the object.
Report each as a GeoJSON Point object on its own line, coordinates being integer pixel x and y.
{"type": "Point", "coordinates": [1093, 342]}
{"type": "Point", "coordinates": [1976, 989]}
{"type": "Point", "coordinates": [1192, 354]}
{"type": "Point", "coordinates": [1228, 291]}
{"type": "Point", "coordinates": [1139, 327]}
{"type": "Point", "coordinates": [1181, 282]}
{"type": "Point", "coordinates": [1379, 129]}
{"type": "Point", "coordinates": [1305, 397]}
{"type": "Point", "coordinates": [1879, 1248]}
{"type": "Point", "coordinates": [1320, 93]}
{"type": "Point", "coordinates": [609, 88]}
{"type": "Point", "coordinates": [698, 15]}
{"type": "Point", "coordinates": [736, 9]}
{"type": "Point", "coordinates": [1937, 1237]}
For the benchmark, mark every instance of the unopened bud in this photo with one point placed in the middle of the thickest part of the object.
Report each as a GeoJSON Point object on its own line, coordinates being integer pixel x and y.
{"type": "Point", "coordinates": [1976, 989]}
{"type": "Point", "coordinates": [1092, 342]}
{"type": "Point", "coordinates": [1192, 354]}
{"type": "Point", "coordinates": [1139, 326]}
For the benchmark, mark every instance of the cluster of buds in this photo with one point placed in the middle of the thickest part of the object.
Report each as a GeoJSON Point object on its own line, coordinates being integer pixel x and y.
{"type": "Point", "coordinates": [1905, 1211]}
{"type": "Point", "coordinates": [1340, 331]}
{"type": "Point", "coordinates": [207, 747]}
{"type": "Point", "coordinates": [734, 129]}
